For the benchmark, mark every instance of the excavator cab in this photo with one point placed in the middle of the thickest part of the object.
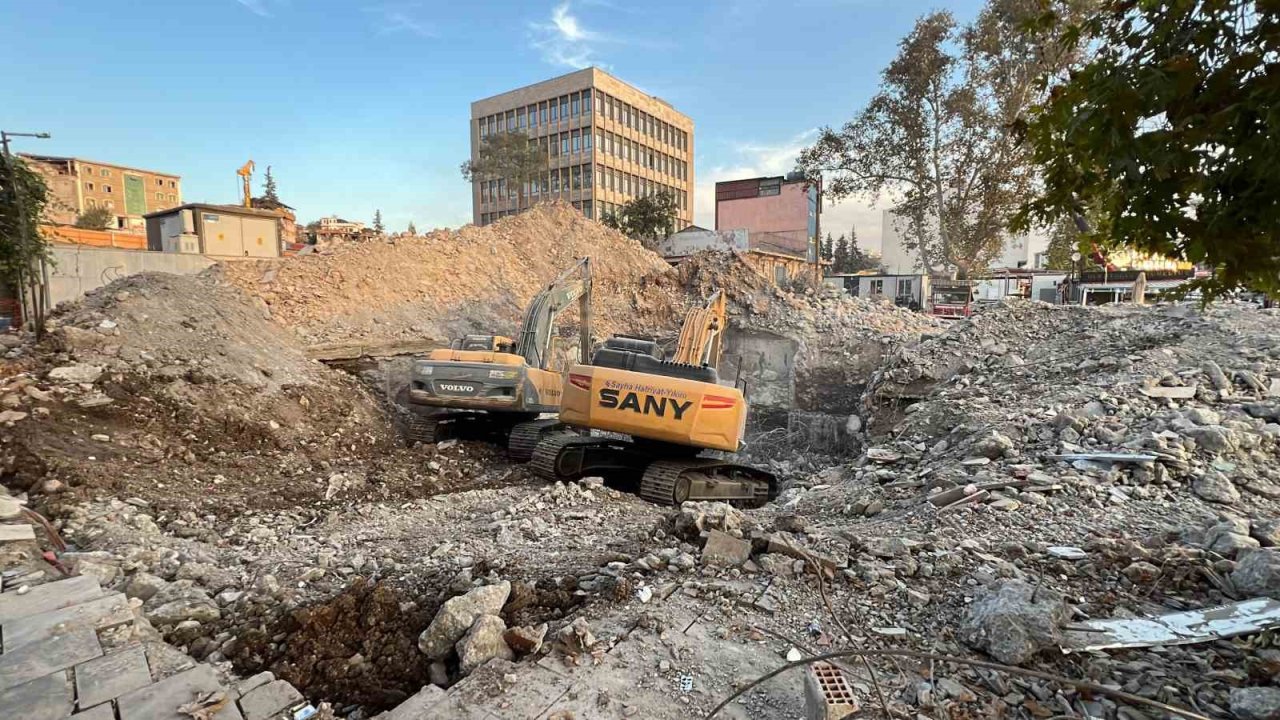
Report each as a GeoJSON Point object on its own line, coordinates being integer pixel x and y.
{"type": "Point", "coordinates": [494, 386]}
{"type": "Point", "coordinates": [669, 412]}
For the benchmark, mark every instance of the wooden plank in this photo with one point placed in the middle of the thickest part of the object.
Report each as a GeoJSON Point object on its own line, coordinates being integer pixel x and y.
{"type": "Point", "coordinates": [45, 698]}
{"type": "Point", "coordinates": [110, 676]}
{"type": "Point", "coordinates": [39, 659]}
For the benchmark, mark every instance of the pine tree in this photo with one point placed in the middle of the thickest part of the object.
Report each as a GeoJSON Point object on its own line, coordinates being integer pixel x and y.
{"type": "Point", "coordinates": [411, 229]}
{"type": "Point", "coordinates": [840, 255]}
{"type": "Point", "coordinates": [828, 248]}
{"type": "Point", "coordinates": [269, 187]}
{"type": "Point", "coordinates": [378, 227]}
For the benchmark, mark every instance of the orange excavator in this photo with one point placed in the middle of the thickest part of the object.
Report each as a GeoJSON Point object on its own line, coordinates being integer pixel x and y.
{"type": "Point", "coordinates": [661, 415]}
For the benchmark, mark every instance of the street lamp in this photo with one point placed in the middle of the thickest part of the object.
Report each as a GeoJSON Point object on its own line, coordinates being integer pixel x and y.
{"type": "Point", "coordinates": [5, 135]}
{"type": "Point", "coordinates": [1075, 264]}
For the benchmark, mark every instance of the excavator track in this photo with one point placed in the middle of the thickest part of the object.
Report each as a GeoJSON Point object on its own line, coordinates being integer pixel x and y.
{"type": "Point", "coordinates": [546, 456]}
{"type": "Point", "coordinates": [672, 482]}
{"type": "Point", "coordinates": [525, 436]}
{"type": "Point", "coordinates": [426, 429]}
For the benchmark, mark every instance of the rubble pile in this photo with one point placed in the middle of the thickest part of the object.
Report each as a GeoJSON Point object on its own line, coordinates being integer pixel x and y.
{"type": "Point", "coordinates": [451, 282]}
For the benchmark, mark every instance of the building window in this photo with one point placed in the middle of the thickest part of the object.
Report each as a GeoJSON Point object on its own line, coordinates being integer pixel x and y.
{"type": "Point", "coordinates": [586, 139]}
{"type": "Point", "coordinates": [173, 184]}
{"type": "Point", "coordinates": [575, 174]}
{"type": "Point", "coordinates": [105, 172]}
{"type": "Point", "coordinates": [106, 188]}
{"type": "Point", "coordinates": [159, 182]}
{"type": "Point", "coordinates": [904, 287]}
{"type": "Point", "coordinates": [586, 176]}
{"type": "Point", "coordinates": [575, 104]}
{"type": "Point", "coordinates": [89, 185]}
{"type": "Point", "coordinates": [600, 176]}
{"type": "Point", "coordinates": [160, 197]}
{"type": "Point", "coordinates": [555, 181]}
{"type": "Point", "coordinates": [88, 170]}
{"type": "Point", "coordinates": [520, 118]}
{"type": "Point", "coordinates": [586, 208]}
{"type": "Point", "coordinates": [877, 287]}
{"type": "Point", "coordinates": [173, 198]}
{"type": "Point", "coordinates": [576, 138]}
{"type": "Point", "coordinates": [564, 107]}
{"type": "Point", "coordinates": [564, 143]}
{"type": "Point", "coordinates": [91, 202]}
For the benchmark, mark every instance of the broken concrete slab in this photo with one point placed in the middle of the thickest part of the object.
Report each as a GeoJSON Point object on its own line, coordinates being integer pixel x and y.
{"type": "Point", "coordinates": [110, 676]}
{"type": "Point", "coordinates": [1014, 620]}
{"type": "Point", "coordinates": [1180, 628]}
{"type": "Point", "coordinates": [50, 596]}
{"type": "Point", "coordinates": [98, 712]}
{"type": "Point", "coordinates": [41, 658]}
{"type": "Point", "coordinates": [45, 698]}
{"type": "Point", "coordinates": [97, 614]}
{"type": "Point", "coordinates": [161, 700]}
{"type": "Point", "coordinates": [266, 701]}
{"type": "Point", "coordinates": [244, 686]}
{"type": "Point", "coordinates": [725, 550]}
{"type": "Point", "coordinates": [1173, 393]}
{"type": "Point", "coordinates": [416, 706]}
{"type": "Point", "coordinates": [16, 533]}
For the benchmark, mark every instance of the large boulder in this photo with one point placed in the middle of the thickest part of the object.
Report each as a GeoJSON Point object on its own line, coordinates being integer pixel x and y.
{"type": "Point", "coordinates": [80, 373]}
{"type": "Point", "coordinates": [1255, 703]}
{"type": "Point", "coordinates": [1258, 573]}
{"type": "Point", "coordinates": [457, 615]}
{"type": "Point", "coordinates": [482, 643]}
{"type": "Point", "coordinates": [1216, 487]}
{"type": "Point", "coordinates": [1013, 621]}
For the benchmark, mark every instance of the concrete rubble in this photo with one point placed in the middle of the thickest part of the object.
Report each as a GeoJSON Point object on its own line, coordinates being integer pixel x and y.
{"type": "Point", "coordinates": [977, 489]}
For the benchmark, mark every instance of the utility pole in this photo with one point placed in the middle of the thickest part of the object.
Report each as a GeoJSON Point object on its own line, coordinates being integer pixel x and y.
{"type": "Point", "coordinates": [817, 241]}
{"type": "Point", "coordinates": [37, 302]}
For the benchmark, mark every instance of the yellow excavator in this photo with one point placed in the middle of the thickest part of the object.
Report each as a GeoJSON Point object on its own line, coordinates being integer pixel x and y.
{"type": "Point", "coordinates": [661, 416]}
{"type": "Point", "coordinates": [495, 387]}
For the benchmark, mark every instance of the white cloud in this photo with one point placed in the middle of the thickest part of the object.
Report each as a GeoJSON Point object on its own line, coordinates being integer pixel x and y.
{"type": "Point", "coordinates": [257, 7]}
{"type": "Point", "coordinates": [564, 40]}
{"type": "Point", "coordinates": [762, 160]}
{"type": "Point", "coordinates": [400, 18]}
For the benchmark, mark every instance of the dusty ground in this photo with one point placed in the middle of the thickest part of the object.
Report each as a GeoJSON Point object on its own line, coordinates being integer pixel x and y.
{"type": "Point", "coordinates": [267, 513]}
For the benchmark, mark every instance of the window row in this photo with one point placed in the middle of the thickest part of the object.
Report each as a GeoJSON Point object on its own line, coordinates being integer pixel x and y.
{"type": "Point", "coordinates": [105, 188]}
{"type": "Point", "coordinates": [161, 197]}
{"type": "Point", "coordinates": [631, 151]}
{"type": "Point", "coordinates": [565, 143]}
{"type": "Point", "coordinates": [574, 104]}
{"type": "Point", "coordinates": [635, 186]}
{"type": "Point", "coordinates": [172, 183]}
{"type": "Point", "coordinates": [579, 104]}
{"type": "Point", "coordinates": [93, 203]}
{"type": "Point", "coordinates": [637, 119]}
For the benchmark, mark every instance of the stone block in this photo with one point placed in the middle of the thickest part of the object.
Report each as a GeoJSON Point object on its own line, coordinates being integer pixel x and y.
{"type": "Point", "coordinates": [98, 614]}
{"type": "Point", "coordinates": [265, 701]}
{"type": "Point", "coordinates": [48, 656]}
{"type": "Point", "coordinates": [110, 676]}
{"type": "Point", "coordinates": [725, 549]}
{"type": "Point", "coordinates": [160, 701]}
{"type": "Point", "coordinates": [49, 596]}
{"type": "Point", "coordinates": [45, 698]}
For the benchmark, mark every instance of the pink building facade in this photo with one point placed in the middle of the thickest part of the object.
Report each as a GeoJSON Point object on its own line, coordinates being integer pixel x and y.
{"type": "Point", "coordinates": [779, 213]}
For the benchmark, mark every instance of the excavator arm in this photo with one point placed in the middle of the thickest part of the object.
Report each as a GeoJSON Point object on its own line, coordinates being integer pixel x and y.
{"type": "Point", "coordinates": [538, 324]}
{"type": "Point", "coordinates": [702, 334]}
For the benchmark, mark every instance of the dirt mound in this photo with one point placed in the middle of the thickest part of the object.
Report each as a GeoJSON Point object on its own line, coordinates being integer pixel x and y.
{"type": "Point", "coordinates": [450, 282]}
{"type": "Point", "coordinates": [179, 391]}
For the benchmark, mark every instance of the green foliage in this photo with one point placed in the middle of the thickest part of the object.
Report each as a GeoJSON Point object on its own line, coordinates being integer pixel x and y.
{"type": "Point", "coordinates": [269, 191]}
{"type": "Point", "coordinates": [510, 156]}
{"type": "Point", "coordinates": [840, 255]}
{"type": "Point", "coordinates": [96, 218]}
{"type": "Point", "coordinates": [847, 257]}
{"type": "Point", "coordinates": [378, 227]}
{"type": "Point", "coordinates": [23, 248]}
{"type": "Point", "coordinates": [828, 248]}
{"type": "Point", "coordinates": [411, 229]}
{"type": "Point", "coordinates": [646, 219]}
{"type": "Point", "coordinates": [935, 138]}
{"type": "Point", "coordinates": [1171, 132]}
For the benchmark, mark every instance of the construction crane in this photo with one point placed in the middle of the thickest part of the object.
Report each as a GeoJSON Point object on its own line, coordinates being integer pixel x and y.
{"type": "Point", "coordinates": [246, 173]}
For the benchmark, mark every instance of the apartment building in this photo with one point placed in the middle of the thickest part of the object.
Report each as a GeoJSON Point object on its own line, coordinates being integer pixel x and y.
{"type": "Point", "coordinates": [77, 185]}
{"type": "Point", "coordinates": [606, 143]}
{"type": "Point", "coordinates": [781, 213]}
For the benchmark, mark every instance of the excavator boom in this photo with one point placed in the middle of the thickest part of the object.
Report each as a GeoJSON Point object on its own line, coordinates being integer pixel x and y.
{"type": "Point", "coordinates": [701, 334]}
{"type": "Point", "coordinates": [538, 325]}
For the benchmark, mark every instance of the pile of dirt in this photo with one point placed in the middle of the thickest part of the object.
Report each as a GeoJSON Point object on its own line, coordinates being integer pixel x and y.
{"type": "Point", "coordinates": [471, 280]}
{"type": "Point", "coordinates": [179, 391]}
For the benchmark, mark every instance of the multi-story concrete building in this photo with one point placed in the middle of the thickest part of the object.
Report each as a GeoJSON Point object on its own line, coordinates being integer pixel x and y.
{"type": "Point", "coordinates": [1028, 252]}
{"type": "Point", "coordinates": [780, 213]}
{"type": "Point", "coordinates": [77, 185]}
{"type": "Point", "coordinates": [606, 143]}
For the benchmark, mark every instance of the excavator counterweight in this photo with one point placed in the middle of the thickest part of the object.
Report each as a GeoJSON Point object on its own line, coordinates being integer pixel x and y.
{"type": "Point", "coordinates": [669, 411]}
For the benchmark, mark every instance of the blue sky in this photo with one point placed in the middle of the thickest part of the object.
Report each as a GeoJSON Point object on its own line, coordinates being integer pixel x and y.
{"type": "Point", "coordinates": [360, 105]}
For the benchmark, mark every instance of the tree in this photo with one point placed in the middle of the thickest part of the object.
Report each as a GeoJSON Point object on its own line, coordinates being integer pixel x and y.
{"type": "Point", "coordinates": [269, 188]}
{"type": "Point", "coordinates": [508, 156]}
{"type": "Point", "coordinates": [96, 218]}
{"type": "Point", "coordinates": [23, 247]}
{"type": "Point", "coordinates": [1169, 132]}
{"type": "Point", "coordinates": [411, 229]}
{"type": "Point", "coordinates": [840, 255]}
{"type": "Point", "coordinates": [646, 219]}
{"type": "Point", "coordinates": [378, 227]}
{"type": "Point", "coordinates": [937, 137]}
{"type": "Point", "coordinates": [828, 248]}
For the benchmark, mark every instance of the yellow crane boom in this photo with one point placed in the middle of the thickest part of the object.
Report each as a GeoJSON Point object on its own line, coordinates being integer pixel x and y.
{"type": "Point", "coordinates": [702, 334]}
{"type": "Point", "coordinates": [246, 173]}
